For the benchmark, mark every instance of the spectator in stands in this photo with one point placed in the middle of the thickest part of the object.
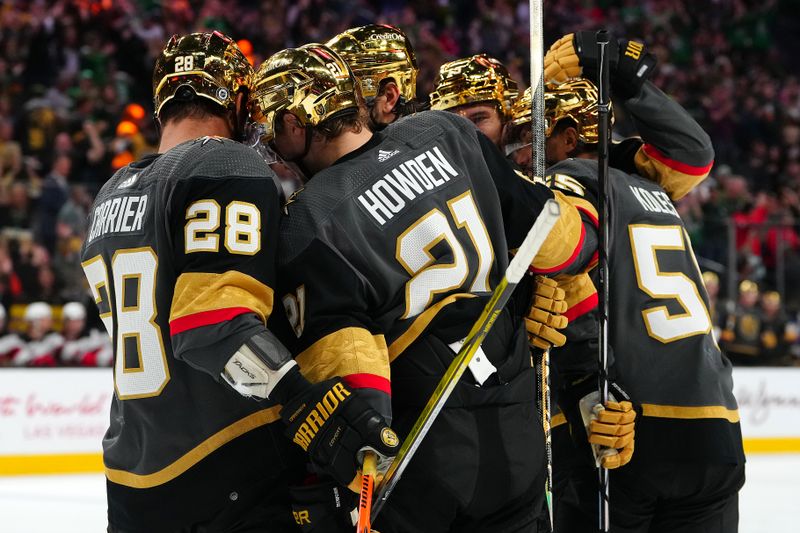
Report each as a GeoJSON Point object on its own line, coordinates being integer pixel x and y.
{"type": "Point", "coordinates": [53, 198]}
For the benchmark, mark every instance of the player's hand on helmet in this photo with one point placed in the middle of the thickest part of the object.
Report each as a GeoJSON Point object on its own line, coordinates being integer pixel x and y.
{"type": "Point", "coordinates": [575, 55]}
{"type": "Point", "coordinates": [334, 426]}
{"type": "Point", "coordinates": [545, 316]}
{"type": "Point", "coordinates": [610, 428]}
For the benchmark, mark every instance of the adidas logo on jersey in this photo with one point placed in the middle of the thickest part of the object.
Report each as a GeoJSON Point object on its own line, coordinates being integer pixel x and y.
{"type": "Point", "coordinates": [385, 155]}
{"type": "Point", "coordinates": [127, 182]}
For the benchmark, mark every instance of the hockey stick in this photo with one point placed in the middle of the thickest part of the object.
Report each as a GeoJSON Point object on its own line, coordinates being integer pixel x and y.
{"type": "Point", "coordinates": [516, 269]}
{"type": "Point", "coordinates": [604, 127]}
{"type": "Point", "coordinates": [538, 165]}
{"type": "Point", "coordinates": [368, 470]}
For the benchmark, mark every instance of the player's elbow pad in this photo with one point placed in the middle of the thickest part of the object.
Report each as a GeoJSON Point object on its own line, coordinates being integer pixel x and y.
{"type": "Point", "coordinates": [258, 365]}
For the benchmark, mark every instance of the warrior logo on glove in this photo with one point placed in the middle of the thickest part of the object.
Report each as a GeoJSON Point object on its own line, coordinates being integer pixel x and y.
{"type": "Point", "coordinates": [319, 414]}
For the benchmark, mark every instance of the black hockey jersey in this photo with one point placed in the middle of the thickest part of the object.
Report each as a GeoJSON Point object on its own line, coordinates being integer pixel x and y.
{"type": "Point", "coordinates": [406, 237]}
{"type": "Point", "coordinates": [180, 258]}
{"type": "Point", "coordinates": [664, 352]}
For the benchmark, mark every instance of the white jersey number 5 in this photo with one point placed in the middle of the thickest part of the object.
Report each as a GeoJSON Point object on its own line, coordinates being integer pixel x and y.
{"type": "Point", "coordinates": [646, 240]}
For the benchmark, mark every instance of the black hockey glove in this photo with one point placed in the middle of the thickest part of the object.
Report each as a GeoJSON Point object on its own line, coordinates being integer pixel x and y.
{"type": "Point", "coordinates": [575, 55]}
{"type": "Point", "coordinates": [323, 507]}
{"type": "Point", "coordinates": [334, 426]}
{"type": "Point", "coordinates": [608, 430]}
{"type": "Point", "coordinates": [634, 66]}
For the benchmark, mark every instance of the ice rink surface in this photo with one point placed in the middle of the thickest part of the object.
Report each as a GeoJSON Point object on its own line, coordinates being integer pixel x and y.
{"type": "Point", "coordinates": [76, 503]}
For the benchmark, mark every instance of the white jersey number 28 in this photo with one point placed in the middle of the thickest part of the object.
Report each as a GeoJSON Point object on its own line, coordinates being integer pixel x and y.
{"type": "Point", "coordinates": [646, 240]}
{"type": "Point", "coordinates": [140, 368]}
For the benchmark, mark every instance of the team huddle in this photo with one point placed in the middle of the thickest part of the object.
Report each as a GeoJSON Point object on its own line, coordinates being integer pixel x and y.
{"type": "Point", "coordinates": [287, 280]}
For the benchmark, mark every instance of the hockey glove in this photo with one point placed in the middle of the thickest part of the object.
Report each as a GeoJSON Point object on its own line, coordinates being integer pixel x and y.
{"type": "Point", "coordinates": [335, 427]}
{"type": "Point", "coordinates": [323, 507]}
{"type": "Point", "coordinates": [545, 318]}
{"type": "Point", "coordinates": [575, 55]}
{"type": "Point", "coordinates": [610, 429]}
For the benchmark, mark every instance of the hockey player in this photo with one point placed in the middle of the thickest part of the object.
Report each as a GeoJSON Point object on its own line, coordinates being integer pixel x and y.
{"type": "Point", "coordinates": [741, 336]}
{"type": "Point", "coordinates": [478, 88]}
{"type": "Point", "coordinates": [82, 346]}
{"type": "Point", "coordinates": [10, 342]}
{"type": "Point", "coordinates": [383, 62]}
{"type": "Point", "coordinates": [180, 258]}
{"type": "Point", "coordinates": [388, 255]}
{"type": "Point", "coordinates": [661, 344]}
{"type": "Point", "coordinates": [42, 345]}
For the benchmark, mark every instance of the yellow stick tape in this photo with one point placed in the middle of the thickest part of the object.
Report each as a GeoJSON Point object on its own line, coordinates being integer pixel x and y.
{"type": "Point", "coordinates": [74, 463]}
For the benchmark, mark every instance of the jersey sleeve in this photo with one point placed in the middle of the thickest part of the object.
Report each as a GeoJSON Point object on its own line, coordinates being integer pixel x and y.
{"type": "Point", "coordinates": [224, 228]}
{"type": "Point", "coordinates": [328, 306]}
{"type": "Point", "coordinates": [673, 151]}
{"type": "Point", "coordinates": [572, 241]}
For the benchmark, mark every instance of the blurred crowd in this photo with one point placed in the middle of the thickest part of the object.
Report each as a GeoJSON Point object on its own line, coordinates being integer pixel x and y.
{"type": "Point", "coordinates": [75, 90]}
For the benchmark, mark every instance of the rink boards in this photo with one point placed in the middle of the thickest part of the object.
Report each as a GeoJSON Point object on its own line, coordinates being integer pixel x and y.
{"type": "Point", "coordinates": [53, 420]}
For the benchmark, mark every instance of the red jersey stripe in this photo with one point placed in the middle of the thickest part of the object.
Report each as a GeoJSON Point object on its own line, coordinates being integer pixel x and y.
{"type": "Point", "coordinates": [205, 318]}
{"type": "Point", "coordinates": [368, 381]}
{"type": "Point", "coordinates": [582, 307]}
{"type": "Point", "coordinates": [691, 170]}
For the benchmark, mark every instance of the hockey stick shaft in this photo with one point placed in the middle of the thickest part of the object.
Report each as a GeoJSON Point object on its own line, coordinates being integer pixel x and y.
{"type": "Point", "coordinates": [544, 393]}
{"type": "Point", "coordinates": [368, 471]}
{"type": "Point", "coordinates": [604, 127]}
{"type": "Point", "coordinates": [516, 269]}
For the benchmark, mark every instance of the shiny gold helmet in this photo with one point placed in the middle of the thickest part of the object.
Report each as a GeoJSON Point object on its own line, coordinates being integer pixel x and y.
{"type": "Point", "coordinates": [575, 99]}
{"type": "Point", "coordinates": [521, 109]}
{"type": "Point", "coordinates": [377, 52]}
{"type": "Point", "coordinates": [472, 80]}
{"type": "Point", "coordinates": [209, 65]}
{"type": "Point", "coordinates": [311, 82]}
{"type": "Point", "coordinates": [748, 287]}
{"type": "Point", "coordinates": [710, 277]}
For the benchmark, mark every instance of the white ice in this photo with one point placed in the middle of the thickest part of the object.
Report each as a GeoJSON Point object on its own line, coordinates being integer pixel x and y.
{"type": "Point", "coordinates": [76, 503]}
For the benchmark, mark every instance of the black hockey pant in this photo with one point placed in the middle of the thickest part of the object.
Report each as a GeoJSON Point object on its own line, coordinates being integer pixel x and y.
{"type": "Point", "coordinates": [653, 498]}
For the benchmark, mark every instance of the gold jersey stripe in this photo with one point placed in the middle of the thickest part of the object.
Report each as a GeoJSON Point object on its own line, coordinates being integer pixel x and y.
{"type": "Point", "coordinates": [584, 205]}
{"type": "Point", "coordinates": [558, 420]}
{"type": "Point", "coordinates": [576, 287]}
{"type": "Point", "coordinates": [196, 454]}
{"type": "Point", "coordinates": [563, 239]}
{"type": "Point", "coordinates": [421, 322]}
{"type": "Point", "coordinates": [196, 292]}
{"type": "Point", "coordinates": [347, 351]}
{"type": "Point", "coordinates": [675, 183]}
{"type": "Point", "coordinates": [690, 413]}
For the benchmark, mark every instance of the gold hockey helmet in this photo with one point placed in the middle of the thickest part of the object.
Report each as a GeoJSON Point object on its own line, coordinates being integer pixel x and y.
{"type": "Point", "coordinates": [210, 64]}
{"type": "Point", "coordinates": [312, 82]}
{"type": "Point", "coordinates": [575, 99]}
{"type": "Point", "coordinates": [710, 277]}
{"type": "Point", "coordinates": [521, 109]}
{"type": "Point", "coordinates": [472, 80]}
{"type": "Point", "coordinates": [377, 52]}
{"type": "Point", "coordinates": [748, 287]}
